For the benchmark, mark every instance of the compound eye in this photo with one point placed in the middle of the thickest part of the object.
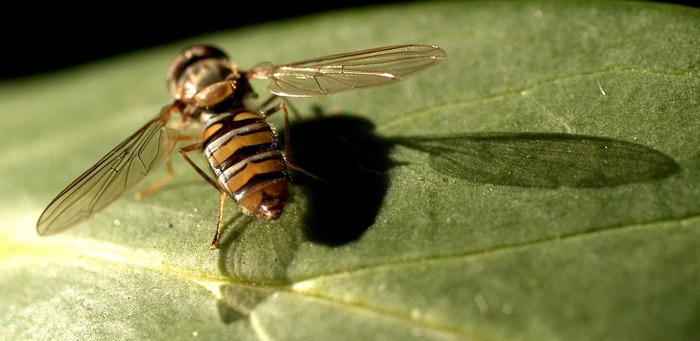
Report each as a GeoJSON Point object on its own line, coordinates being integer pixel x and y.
{"type": "Point", "coordinates": [187, 58]}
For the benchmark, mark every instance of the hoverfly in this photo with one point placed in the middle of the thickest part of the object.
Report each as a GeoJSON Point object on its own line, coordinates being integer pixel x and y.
{"type": "Point", "coordinates": [241, 148]}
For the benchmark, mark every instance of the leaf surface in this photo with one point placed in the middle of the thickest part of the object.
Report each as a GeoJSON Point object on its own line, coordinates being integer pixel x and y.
{"type": "Point", "coordinates": [542, 182]}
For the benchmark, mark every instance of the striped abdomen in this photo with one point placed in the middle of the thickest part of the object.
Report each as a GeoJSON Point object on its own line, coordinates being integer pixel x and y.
{"type": "Point", "coordinates": [243, 152]}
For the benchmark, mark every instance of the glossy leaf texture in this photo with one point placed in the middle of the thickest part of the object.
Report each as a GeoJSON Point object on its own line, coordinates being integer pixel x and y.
{"type": "Point", "coordinates": [542, 182]}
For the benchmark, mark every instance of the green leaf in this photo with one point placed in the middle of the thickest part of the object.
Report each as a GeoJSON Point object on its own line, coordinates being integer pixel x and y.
{"type": "Point", "coordinates": [543, 182]}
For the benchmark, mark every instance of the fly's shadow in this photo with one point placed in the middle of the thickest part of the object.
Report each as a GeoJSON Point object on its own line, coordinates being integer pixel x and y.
{"type": "Point", "coordinates": [350, 163]}
{"type": "Point", "coordinates": [542, 160]}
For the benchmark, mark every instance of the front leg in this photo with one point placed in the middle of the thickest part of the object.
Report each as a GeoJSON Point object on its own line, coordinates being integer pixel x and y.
{"type": "Point", "coordinates": [222, 193]}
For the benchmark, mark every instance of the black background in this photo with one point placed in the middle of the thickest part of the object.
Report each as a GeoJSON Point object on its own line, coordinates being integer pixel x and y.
{"type": "Point", "coordinates": [32, 33]}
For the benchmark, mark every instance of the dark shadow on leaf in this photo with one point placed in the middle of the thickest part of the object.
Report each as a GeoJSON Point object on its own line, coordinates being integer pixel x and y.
{"type": "Point", "coordinates": [351, 163]}
{"type": "Point", "coordinates": [238, 301]}
{"type": "Point", "coordinates": [542, 160]}
{"type": "Point", "coordinates": [229, 244]}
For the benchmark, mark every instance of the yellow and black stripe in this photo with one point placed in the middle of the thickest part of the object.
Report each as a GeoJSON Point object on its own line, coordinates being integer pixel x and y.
{"type": "Point", "coordinates": [244, 154]}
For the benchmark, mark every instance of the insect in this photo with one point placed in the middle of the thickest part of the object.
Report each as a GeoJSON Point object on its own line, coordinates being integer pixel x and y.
{"type": "Point", "coordinates": [215, 99]}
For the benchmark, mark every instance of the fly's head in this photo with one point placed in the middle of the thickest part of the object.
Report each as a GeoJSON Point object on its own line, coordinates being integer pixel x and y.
{"type": "Point", "coordinates": [204, 76]}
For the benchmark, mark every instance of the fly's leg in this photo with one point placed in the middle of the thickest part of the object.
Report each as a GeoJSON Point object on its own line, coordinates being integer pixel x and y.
{"type": "Point", "coordinates": [215, 242]}
{"type": "Point", "coordinates": [155, 187]}
{"type": "Point", "coordinates": [281, 106]}
{"type": "Point", "coordinates": [222, 193]}
{"type": "Point", "coordinates": [277, 107]}
{"type": "Point", "coordinates": [287, 146]}
{"type": "Point", "coordinates": [165, 114]}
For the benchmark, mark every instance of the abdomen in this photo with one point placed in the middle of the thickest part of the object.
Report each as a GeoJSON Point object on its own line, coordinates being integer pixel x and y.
{"type": "Point", "coordinates": [243, 152]}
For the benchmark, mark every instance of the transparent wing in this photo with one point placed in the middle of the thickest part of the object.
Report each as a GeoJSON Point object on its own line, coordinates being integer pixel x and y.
{"type": "Point", "coordinates": [331, 74]}
{"type": "Point", "coordinates": [122, 168]}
